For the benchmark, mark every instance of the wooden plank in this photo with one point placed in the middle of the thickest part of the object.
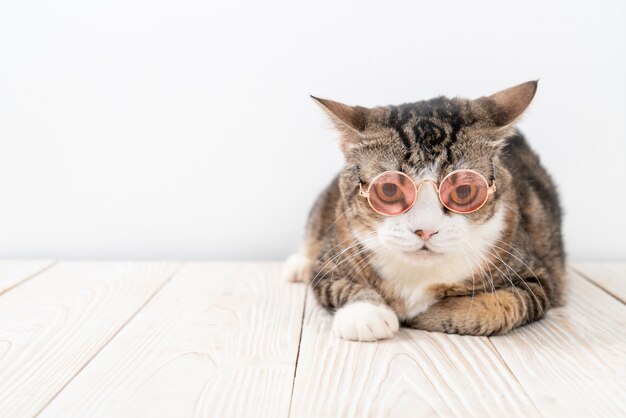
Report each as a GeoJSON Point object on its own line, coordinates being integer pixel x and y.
{"type": "Point", "coordinates": [573, 363]}
{"type": "Point", "coordinates": [221, 340]}
{"type": "Point", "coordinates": [609, 276]}
{"type": "Point", "coordinates": [52, 325]}
{"type": "Point", "coordinates": [416, 373]}
{"type": "Point", "coordinates": [14, 272]}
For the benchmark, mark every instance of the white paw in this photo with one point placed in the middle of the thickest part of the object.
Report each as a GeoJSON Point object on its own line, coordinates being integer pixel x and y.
{"type": "Point", "coordinates": [364, 321]}
{"type": "Point", "coordinates": [297, 268]}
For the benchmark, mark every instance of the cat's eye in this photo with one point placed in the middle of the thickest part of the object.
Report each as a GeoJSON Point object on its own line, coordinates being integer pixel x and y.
{"type": "Point", "coordinates": [393, 193]}
{"type": "Point", "coordinates": [463, 191]}
{"type": "Point", "coordinates": [388, 192]}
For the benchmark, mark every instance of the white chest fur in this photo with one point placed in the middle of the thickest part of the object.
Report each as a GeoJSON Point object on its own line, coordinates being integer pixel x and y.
{"type": "Point", "coordinates": [411, 279]}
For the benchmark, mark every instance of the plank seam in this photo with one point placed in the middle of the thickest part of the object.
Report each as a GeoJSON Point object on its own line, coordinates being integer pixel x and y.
{"type": "Point", "coordinates": [495, 349]}
{"type": "Point", "coordinates": [130, 318]}
{"type": "Point", "coordinates": [30, 276]}
{"type": "Point", "coordinates": [588, 278]}
{"type": "Point", "coordinates": [295, 369]}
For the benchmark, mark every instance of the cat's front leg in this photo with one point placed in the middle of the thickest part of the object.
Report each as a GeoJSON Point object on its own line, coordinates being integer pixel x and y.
{"type": "Point", "coordinates": [489, 313]}
{"type": "Point", "coordinates": [361, 314]}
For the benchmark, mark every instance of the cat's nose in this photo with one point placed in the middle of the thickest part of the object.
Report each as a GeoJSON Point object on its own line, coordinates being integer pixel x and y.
{"type": "Point", "coordinates": [425, 235]}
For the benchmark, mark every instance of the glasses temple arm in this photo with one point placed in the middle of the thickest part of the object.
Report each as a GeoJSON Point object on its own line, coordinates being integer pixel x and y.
{"type": "Point", "coordinates": [493, 187]}
{"type": "Point", "coordinates": [358, 174]}
{"type": "Point", "coordinates": [358, 179]}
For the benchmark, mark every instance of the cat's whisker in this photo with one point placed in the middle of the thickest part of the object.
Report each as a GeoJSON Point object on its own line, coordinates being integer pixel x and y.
{"type": "Point", "coordinates": [473, 282]}
{"type": "Point", "coordinates": [491, 281]}
{"type": "Point", "coordinates": [520, 260]}
{"type": "Point", "coordinates": [341, 214]}
{"type": "Point", "coordinates": [334, 258]}
{"type": "Point", "coordinates": [367, 260]}
{"type": "Point", "coordinates": [316, 280]}
{"type": "Point", "coordinates": [350, 238]}
{"type": "Point", "coordinates": [364, 259]}
{"type": "Point", "coordinates": [494, 253]}
{"type": "Point", "coordinates": [483, 277]}
{"type": "Point", "coordinates": [352, 257]}
{"type": "Point", "coordinates": [524, 281]}
{"type": "Point", "coordinates": [508, 277]}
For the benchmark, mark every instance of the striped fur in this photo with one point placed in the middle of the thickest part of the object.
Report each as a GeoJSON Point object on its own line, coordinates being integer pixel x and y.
{"type": "Point", "coordinates": [511, 277]}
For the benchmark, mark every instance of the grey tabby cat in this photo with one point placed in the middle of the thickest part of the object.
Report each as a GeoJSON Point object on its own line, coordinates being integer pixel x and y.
{"type": "Point", "coordinates": [442, 219]}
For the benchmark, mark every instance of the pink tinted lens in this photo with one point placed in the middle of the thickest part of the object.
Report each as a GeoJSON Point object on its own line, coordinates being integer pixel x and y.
{"type": "Point", "coordinates": [464, 191]}
{"type": "Point", "coordinates": [392, 193]}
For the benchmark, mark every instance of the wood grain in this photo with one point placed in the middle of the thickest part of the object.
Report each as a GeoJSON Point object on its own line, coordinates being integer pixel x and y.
{"type": "Point", "coordinates": [415, 374]}
{"type": "Point", "coordinates": [53, 324]}
{"type": "Point", "coordinates": [14, 272]}
{"type": "Point", "coordinates": [609, 276]}
{"type": "Point", "coordinates": [220, 340]}
{"type": "Point", "coordinates": [573, 363]}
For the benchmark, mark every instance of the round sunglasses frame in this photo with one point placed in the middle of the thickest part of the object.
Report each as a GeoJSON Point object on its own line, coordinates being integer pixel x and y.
{"type": "Point", "coordinates": [366, 193]}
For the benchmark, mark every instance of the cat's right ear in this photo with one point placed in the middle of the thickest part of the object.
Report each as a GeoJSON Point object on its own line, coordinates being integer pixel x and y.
{"type": "Point", "coordinates": [350, 121]}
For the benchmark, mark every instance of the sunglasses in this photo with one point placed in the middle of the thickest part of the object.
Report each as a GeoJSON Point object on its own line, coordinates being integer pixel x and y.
{"type": "Point", "coordinates": [393, 193]}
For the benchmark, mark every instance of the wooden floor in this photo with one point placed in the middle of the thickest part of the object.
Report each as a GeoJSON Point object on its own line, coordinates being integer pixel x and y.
{"type": "Point", "coordinates": [221, 340]}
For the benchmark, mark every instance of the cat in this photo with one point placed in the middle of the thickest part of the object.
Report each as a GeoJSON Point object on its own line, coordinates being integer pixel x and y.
{"type": "Point", "coordinates": [432, 268]}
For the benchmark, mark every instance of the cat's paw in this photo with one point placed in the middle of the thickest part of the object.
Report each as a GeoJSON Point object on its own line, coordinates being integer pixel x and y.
{"type": "Point", "coordinates": [297, 268]}
{"type": "Point", "coordinates": [364, 321]}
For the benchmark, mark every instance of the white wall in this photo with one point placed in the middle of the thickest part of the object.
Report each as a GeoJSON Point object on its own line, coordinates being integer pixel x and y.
{"type": "Point", "coordinates": [183, 129]}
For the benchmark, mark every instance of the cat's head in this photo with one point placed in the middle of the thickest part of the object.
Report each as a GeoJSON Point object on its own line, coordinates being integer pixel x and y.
{"type": "Point", "coordinates": [427, 140]}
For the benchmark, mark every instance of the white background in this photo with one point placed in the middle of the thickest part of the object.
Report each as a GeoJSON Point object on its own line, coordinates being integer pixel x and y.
{"type": "Point", "coordinates": [183, 129]}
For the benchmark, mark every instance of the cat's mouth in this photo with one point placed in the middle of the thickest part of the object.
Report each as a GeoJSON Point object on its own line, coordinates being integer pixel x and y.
{"type": "Point", "coordinates": [423, 252]}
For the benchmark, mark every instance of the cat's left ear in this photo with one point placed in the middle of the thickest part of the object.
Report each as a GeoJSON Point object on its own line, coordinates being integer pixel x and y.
{"type": "Point", "coordinates": [506, 106]}
{"type": "Point", "coordinates": [350, 121]}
